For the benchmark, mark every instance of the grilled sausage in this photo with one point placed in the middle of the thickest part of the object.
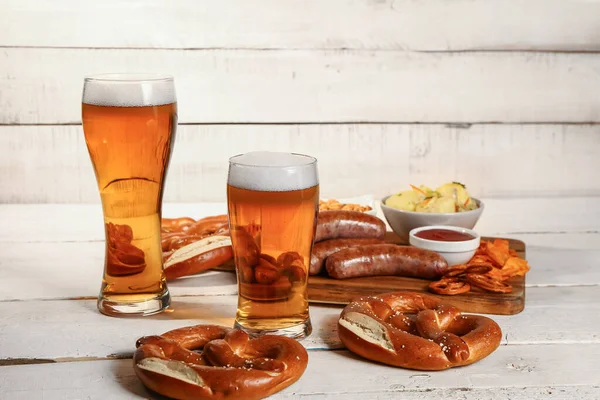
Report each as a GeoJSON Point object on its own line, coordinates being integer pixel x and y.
{"type": "Point", "coordinates": [324, 249]}
{"type": "Point", "coordinates": [348, 224]}
{"type": "Point", "coordinates": [385, 259]}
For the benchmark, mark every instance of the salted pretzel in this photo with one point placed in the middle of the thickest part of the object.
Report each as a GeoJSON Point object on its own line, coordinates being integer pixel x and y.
{"type": "Point", "coordinates": [122, 257]}
{"type": "Point", "coordinates": [179, 232]}
{"type": "Point", "coordinates": [416, 331]}
{"type": "Point", "coordinates": [449, 286]}
{"type": "Point", "coordinates": [488, 283]}
{"type": "Point", "coordinates": [191, 246]}
{"type": "Point", "coordinates": [176, 224]}
{"type": "Point", "coordinates": [190, 225]}
{"type": "Point", "coordinates": [230, 366]}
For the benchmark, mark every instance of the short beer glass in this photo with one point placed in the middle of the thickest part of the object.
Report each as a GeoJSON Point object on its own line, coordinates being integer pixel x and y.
{"type": "Point", "coordinates": [129, 123]}
{"type": "Point", "coordinates": [273, 203]}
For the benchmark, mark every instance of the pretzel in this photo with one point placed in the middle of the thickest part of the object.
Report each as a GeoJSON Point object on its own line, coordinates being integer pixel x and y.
{"type": "Point", "coordinates": [479, 269]}
{"type": "Point", "coordinates": [416, 331]}
{"type": "Point", "coordinates": [455, 270]}
{"type": "Point", "coordinates": [188, 246]}
{"type": "Point", "coordinates": [198, 256]}
{"type": "Point", "coordinates": [176, 224]}
{"type": "Point", "coordinates": [488, 283]}
{"type": "Point", "coordinates": [206, 228]}
{"type": "Point", "coordinates": [184, 224]}
{"type": "Point", "coordinates": [175, 240]}
{"type": "Point", "coordinates": [231, 366]}
{"type": "Point", "coordinates": [461, 270]}
{"type": "Point", "coordinates": [179, 232]}
{"type": "Point", "coordinates": [122, 257]}
{"type": "Point", "coordinates": [449, 286]}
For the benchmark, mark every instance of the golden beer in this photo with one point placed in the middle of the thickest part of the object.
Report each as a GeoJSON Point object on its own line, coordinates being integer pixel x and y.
{"type": "Point", "coordinates": [129, 126]}
{"type": "Point", "coordinates": [273, 202]}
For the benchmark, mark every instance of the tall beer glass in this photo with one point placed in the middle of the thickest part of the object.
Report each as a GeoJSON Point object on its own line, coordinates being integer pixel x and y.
{"type": "Point", "coordinates": [129, 122]}
{"type": "Point", "coordinates": [273, 203]}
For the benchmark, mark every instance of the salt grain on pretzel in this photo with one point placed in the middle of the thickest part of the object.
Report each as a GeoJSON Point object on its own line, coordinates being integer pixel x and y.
{"type": "Point", "coordinates": [416, 331]}
{"type": "Point", "coordinates": [231, 366]}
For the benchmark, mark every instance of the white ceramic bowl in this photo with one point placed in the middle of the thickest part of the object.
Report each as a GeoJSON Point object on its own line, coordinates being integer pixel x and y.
{"type": "Point", "coordinates": [454, 252]}
{"type": "Point", "coordinates": [402, 222]}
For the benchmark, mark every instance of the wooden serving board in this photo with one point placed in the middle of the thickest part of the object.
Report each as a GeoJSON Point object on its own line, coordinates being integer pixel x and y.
{"type": "Point", "coordinates": [322, 289]}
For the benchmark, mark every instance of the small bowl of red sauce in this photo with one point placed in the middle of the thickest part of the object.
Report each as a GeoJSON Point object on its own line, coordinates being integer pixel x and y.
{"type": "Point", "coordinates": [457, 245]}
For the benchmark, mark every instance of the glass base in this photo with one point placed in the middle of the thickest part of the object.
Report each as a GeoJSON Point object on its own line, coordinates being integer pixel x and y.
{"type": "Point", "coordinates": [298, 331]}
{"type": "Point", "coordinates": [133, 305]}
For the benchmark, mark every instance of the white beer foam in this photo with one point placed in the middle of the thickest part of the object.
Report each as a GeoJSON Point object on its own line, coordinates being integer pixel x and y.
{"type": "Point", "coordinates": [266, 171]}
{"type": "Point", "coordinates": [128, 90]}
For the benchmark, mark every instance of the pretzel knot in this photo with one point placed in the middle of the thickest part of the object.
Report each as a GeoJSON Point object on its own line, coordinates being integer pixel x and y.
{"type": "Point", "coordinates": [416, 331]}
{"type": "Point", "coordinates": [230, 366]}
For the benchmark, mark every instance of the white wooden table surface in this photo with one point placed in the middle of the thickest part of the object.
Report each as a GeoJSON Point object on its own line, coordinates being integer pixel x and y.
{"type": "Point", "coordinates": [55, 345]}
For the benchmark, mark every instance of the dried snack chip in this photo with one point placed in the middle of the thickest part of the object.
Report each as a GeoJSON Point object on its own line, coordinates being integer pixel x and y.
{"type": "Point", "coordinates": [496, 273]}
{"type": "Point", "coordinates": [502, 244]}
{"type": "Point", "coordinates": [482, 260]}
{"type": "Point", "coordinates": [515, 266]}
{"type": "Point", "coordinates": [498, 254]}
{"type": "Point", "coordinates": [489, 269]}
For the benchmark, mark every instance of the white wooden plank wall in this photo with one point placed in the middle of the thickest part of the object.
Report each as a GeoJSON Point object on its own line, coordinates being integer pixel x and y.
{"type": "Point", "coordinates": [503, 95]}
{"type": "Point", "coordinates": [529, 161]}
{"type": "Point", "coordinates": [307, 86]}
{"type": "Point", "coordinates": [431, 25]}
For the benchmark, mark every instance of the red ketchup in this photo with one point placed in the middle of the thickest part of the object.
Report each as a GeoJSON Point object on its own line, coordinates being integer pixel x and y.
{"type": "Point", "coordinates": [444, 235]}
